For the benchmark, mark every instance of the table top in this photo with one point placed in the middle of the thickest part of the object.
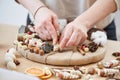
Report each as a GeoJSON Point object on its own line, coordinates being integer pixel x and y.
{"type": "Point", "coordinates": [8, 34]}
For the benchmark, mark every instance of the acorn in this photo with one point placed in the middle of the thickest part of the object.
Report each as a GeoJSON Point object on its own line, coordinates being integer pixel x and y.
{"type": "Point", "coordinates": [100, 65]}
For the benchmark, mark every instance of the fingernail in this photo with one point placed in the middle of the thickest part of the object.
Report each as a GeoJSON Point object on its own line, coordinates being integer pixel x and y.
{"type": "Point", "coordinates": [58, 33]}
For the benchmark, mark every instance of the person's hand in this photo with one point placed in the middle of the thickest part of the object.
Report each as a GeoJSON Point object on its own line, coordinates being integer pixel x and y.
{"type": "Point", "coordinates": [73, 34]}
{"type": "Point", "coordinates": [46, 24]}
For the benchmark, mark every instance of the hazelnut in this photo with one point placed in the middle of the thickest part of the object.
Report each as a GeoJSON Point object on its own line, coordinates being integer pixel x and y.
{"type": "Point", "coordinates": [41, 52]}
{"type": "Point", "coordinates": [20, 38]}
{"type": "Point", "coordinates": [36, 50]}
{"type": "Point", "coordinates": [100, 65]}
{"type": "Point", "coordinates": [76, 68]}
{"type": "Point", "coordinates": [16, 62]}
{"type": "Point", "coordinates": [32, 49]}
{"type": "Point", "coordinates": [118, 58]}
{"type": "Point", "coordinates": [91, 70]}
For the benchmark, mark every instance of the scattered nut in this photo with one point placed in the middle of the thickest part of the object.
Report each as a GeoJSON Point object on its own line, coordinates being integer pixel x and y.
{"type": "Point", "coordinates": [41, 52]}
{"type": "Point", "coordinates": [100, 65]}
{"type": "Point", "coordinates": [76, 68]}
{"type": "Point", "coordinates": [118, 58]}
{"type": "Point", "coordinates": [16, 62]}
{"type": "Point", "coordinates": [91, 70]}
{"type": "Point", "coordinates": [36, 50]}
{"type": "Point", "coordinates": [116, 54]}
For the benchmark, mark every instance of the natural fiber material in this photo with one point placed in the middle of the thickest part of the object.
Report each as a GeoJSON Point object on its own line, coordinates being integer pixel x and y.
{"type": "Point", "coordinates": [65, 58]}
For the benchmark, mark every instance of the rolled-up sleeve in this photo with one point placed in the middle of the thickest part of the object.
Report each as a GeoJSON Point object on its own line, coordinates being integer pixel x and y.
{"type": "Point", "coordinates": [117, 4]}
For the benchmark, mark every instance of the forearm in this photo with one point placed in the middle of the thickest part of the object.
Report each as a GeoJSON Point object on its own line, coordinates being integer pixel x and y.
{"type": "Point", "coordinates": [31, 5]}
{"type": "Point", "coordinates": [98, 11]}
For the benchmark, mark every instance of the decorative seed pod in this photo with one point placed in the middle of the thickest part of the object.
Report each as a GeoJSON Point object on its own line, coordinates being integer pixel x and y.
{"type": "Point", "coordinates": [116, 54]}
{"type": "Point", "coordinates": [93, 47]}
{"type": "Point", "coordinates": [107, 72]}
{"type": "Point", "coordinates": [111, 63]}
{"type": "Point", "coordinates": [68, 74]}
{"type": "Point", "coordinates": [47, 47]}
{"type": "Point", "coordinates": [108, 64]}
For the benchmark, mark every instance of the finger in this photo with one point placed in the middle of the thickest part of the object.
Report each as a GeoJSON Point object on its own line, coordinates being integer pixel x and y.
{"type": "Point", "coordinates": [78, 40]}
{"type": "Point", "coordinates": [41, 36]}
{"type": "Point", "coordinates": [66, 36]}
{"type": "Point", "coordinates": [55, 23]}
{"type": "Point", "coordinates": [42, 32]}
{"type": "Point", "coordinates": [52, 32]}
{"type": "Point", "coordinates": [83, 38]}
{"type": "Point", "coordinates": [72, 39]}
{"type": "Point", "coordinates": [49, 36]}
{"type": "Point", "coordinates": [62, 35]}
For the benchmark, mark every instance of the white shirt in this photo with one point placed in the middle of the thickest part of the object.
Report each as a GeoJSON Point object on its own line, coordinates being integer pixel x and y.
{"type": "Point", "coordinates": [70, 9]}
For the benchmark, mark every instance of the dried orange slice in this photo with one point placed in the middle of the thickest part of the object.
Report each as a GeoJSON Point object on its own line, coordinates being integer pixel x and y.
{"type": "Point", "coordinates": [38, 72]}
{"type": "Point", "coordinates": [47, 74]}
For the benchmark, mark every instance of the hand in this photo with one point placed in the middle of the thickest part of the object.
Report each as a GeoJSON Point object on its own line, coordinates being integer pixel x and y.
{"type": "Point", "coordinates": [46, 24]}
{"type": "Point", "coordinates": [73, 34]}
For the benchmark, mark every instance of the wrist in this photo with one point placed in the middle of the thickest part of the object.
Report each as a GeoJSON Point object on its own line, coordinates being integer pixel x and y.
{"type": "Point", "coordinates": [37, 9]}
{"type": "Point", "coordinates": [85, 23]}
